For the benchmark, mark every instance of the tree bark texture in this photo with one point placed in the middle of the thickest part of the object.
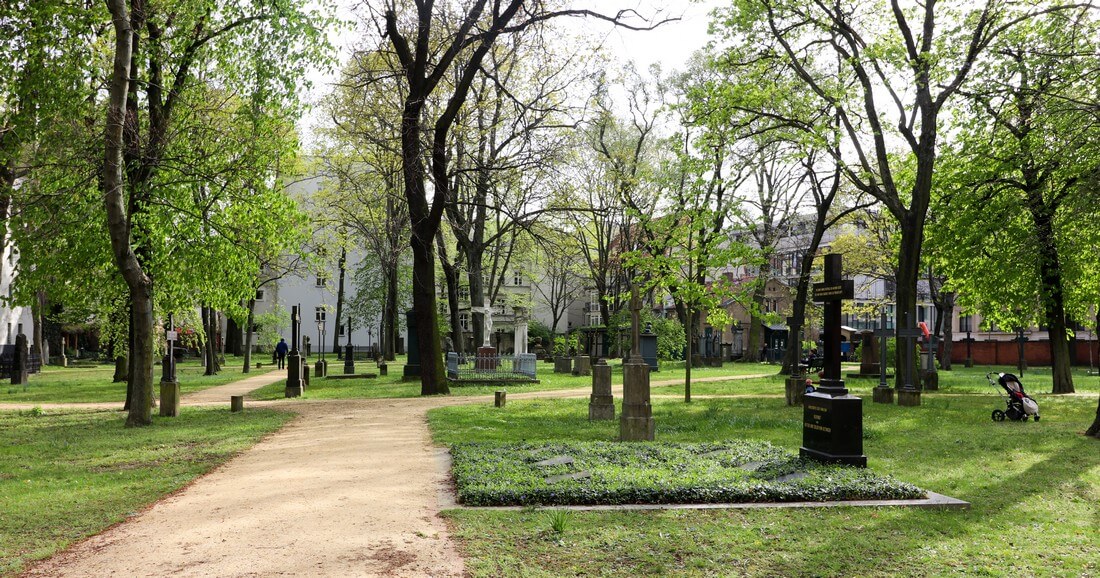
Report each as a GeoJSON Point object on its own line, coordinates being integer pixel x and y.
{"type": "Point", "coordinates": [1051, 290]}
{"type": "Point", "coordinates": [248, 334]}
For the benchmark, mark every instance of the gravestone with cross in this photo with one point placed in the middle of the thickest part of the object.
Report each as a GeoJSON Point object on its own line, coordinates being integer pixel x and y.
{"type": "Point", "coordinates": [908, 393]}
{"type": "Point", "coordinates": [929, 377]}
{"type": "Point", "coordinates": [832, 428]}
{"type": "Point", "coordinates": [969, 353]}
{"type": "Point", "coordinates": [169, 386]}
{"type": "Point", "coordinates": [883, 393]}
{"type": "Point", "coordinates": [294, 378]}
{"type": "Point", "coordinates": [1021, 357]}
{"type": "Point", "coordinates": [636, 421]}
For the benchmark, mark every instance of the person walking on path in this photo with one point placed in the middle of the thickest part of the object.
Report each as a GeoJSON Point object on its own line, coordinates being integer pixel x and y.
{"type": "Point", "coordinates": [281, 350]}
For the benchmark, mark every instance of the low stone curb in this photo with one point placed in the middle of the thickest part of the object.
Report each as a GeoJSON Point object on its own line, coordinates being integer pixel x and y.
{"type": "Point", "coordinates": [933, 501]}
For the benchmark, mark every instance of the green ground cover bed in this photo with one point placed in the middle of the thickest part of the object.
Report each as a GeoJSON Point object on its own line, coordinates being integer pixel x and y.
{"type": "Point", "coordinates": [490, 474]}
{"type": "Point", "coordinates": [1034, 490]}
{"type": "Point", "coordinates": [65, 475]}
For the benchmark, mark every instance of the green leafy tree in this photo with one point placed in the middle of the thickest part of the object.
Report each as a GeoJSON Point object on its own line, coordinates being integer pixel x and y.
{"type": "Point", "coordinates": [884, 73]}
{"type": "Point", "coordinates": [159, 51]}
{"type": "Point", "coordinates": [1027, 141]}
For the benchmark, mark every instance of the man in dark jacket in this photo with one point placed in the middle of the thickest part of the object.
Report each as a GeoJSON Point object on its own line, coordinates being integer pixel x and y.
{"type": "Point", "coordinates": [281, 350]}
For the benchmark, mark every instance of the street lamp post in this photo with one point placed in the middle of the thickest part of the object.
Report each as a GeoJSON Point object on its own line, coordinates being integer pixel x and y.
{"type": "Point", "coordinates": [320, 369]}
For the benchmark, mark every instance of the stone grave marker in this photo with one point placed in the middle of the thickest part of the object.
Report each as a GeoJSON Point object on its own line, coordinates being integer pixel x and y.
{"type": "Point", "coordinates": [555, 461]}
{"type": "Point", "coordinates": [19, 373]}
{"type": "Point", "coordinates": [883, 393]}
{"type": "Point", "coordinates": [832, 429]}
{"type": "Point", "coordinates": [908, 394]}
{"type": "Point", "coordinates": [636, 422]}
{"type": "Point", "coordinates": [169, 386]}
{"type": "Point", "coordinates": [601, 404]}
{"type": "Point", "coordinates": [582, 475]}
{"type": "Point", "coordinates": [412, 363]}
{"type": "Point", "coordinates": [929, 377]}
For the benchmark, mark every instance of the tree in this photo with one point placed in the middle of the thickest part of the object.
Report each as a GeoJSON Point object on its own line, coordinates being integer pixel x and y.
{"type": "Point", "coordinates": [903, 59]}
{"type": "Point", "coordinates": [1027, 139]}
{"type": "Point", "coordinates": [429, 56]}
{"type": "Point", "coordinates": [154, 78]}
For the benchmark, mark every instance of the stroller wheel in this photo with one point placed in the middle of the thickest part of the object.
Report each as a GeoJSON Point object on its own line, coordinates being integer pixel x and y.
{"type": "Point", "coordinates": [1036, 417]}
{"type": "Point", "coordinates": [998, 415]}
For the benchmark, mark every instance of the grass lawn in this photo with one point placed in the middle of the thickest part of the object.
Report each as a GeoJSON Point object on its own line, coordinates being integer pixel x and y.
{"type": "Point", "coordinates": [1034, 490]}
{"type": "Point", "coordinates": [91, 384]}
{"type": "Point", "coordinates": [391, 385]}
{"type": "Point", "coordinates": [67, 475]}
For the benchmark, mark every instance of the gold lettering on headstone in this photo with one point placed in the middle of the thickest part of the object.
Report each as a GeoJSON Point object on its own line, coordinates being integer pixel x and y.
{"type": "Point", "coordinates": [817, 408]}
{"type": "Point", "coordinates": [818, 427]}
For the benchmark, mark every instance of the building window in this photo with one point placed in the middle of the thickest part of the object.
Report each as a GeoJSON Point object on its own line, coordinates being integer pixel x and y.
{"type": "Point", "coordinates": [517, 278]}
{"type": "Point", "coordinates": [322, 281]}
{"type": "Point", "coordinates": [341, 330]}
{"type": "Point", "coordinates": [594, 319]}
{"type": "Point", "coordinates": [463, 292]}
{"type": "Point", "coordinates": [464, 321]}
{"type": "Point", "coordinates": [319, 313]}
{"type": "Point", "coordinates": [966, 323]}
{"type": "Point", "coordinates": [259, 295]}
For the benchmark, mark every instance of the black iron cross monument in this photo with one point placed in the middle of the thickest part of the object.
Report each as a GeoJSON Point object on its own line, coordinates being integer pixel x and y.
{"type": "Point", "coordinates": [883, 393]}
{"type": "Point", "coordinates": [832, 425]}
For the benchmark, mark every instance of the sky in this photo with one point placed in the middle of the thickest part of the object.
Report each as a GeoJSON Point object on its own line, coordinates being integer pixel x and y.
{"type": "Point", "coordinates": [670, 45]}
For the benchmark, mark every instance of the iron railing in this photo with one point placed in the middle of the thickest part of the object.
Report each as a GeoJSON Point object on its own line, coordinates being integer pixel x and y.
{"type": "Point", "coordinates": [483, 367]}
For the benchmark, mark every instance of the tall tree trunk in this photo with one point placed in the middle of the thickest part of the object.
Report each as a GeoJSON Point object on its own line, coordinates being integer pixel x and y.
{"type": "Point", "coordinates": [232, 337]}
{"type": "Point", "coordinates": [39, 346]}
{"type": "Point", "coordinates": [342, 265]}
{"type": "Point", "coordinates": [248, 334]}
{"type": "Point", "coordinates": [689, 329]}
{"type": "Point", "coordinates": [389, 322]}
{"type": "Point", "coordinates": [1052, 293]}
{"type": "Point", "coordinates": [210, 327]}
{"type": "Point", "coordinates": [476, 277]}
{"type": "Point", "coordinates": [451, 283]}
{"type": "Point", "coordinates": [947, 316]}
{"type": "Point", "coordinates": [1094, 429]}
{"type": "Point", "coordinates": [432, 377]}
{"type": "Point", "coordinates": [756, 324]}
{"type": "Point", "coordinates": [906, 291]}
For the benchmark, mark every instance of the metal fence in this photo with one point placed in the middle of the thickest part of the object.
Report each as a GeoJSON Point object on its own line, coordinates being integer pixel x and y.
{"type": "Point", "coordinates": [487, 368]}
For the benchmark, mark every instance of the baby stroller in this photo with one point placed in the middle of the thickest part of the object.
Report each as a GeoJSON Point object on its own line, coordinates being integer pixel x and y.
{"type": "Point", "coordinates": [1020, 405]}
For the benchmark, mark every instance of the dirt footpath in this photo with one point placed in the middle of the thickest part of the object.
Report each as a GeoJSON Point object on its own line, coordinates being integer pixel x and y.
{"type": "Point", "coordinates": [350, 488]}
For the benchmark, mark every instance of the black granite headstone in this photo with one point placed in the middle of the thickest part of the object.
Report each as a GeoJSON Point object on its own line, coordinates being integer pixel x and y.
{"type": "Point", "coordinates": [832, 429]}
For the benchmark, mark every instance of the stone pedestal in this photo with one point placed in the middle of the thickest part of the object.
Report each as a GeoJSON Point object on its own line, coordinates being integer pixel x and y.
{"type": "Point", "coordinates": [832, 429]}
{"type": "Point", "coordinates": [909, 397]}
{"type": "Point", "coordinates": [383, 369]}
{"type": "Point", "coordinates": [305, 373]}
{"type": "Point", "coordinates": [636, 422]}
{"type": "Point", "coordinates": [930, 380]}
{"type": "Point", "coordinates": [486, 359]}
{"type": "Point", "coordinates": [796, 389]}
{"type": "Point", "coordinates": [969, 362]}
{"type": "Point", "coordinates": [236, 403]}
{"type": "Point", "coordinates": [869, 355]}
{"type": "Point", "coordinates": [294, 383]}
{"type": "Point", "coordinates": [64, 361]}
{"type": "Point", "coordinates": [648, 344]}
{"type": "Point", "coordinates": [601, 404]}
{"type": "Point", "coordinates": [169, 399]}
{"type": "Point", "coordinates": [320, 369]}
{"type": "Point", "coordinates": [19, 362]}
{"type": "Point", "coordinates": [562, 364]}
{"type": "Point", "coordinates": [500, 398]}
{"type": "Point", "coordinates": [883, 395]}
{"type": "Point", "coordinates": [349, 360]}
{"type": "Point", "coordinates": [582, 365]}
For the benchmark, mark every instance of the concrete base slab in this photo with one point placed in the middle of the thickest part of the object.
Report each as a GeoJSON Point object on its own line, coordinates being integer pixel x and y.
{"type": "Point", "coordinates": [883, 395]}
